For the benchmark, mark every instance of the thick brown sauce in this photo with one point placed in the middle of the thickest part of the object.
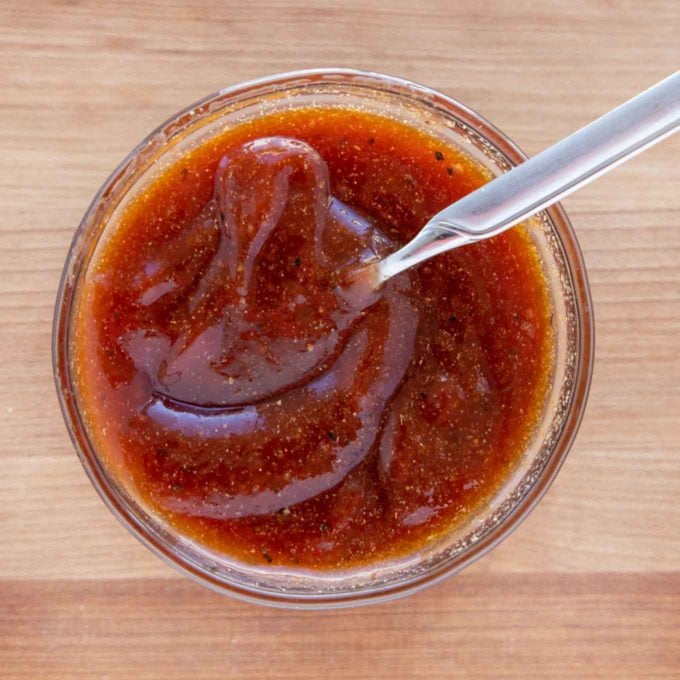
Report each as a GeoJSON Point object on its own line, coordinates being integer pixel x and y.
{"type": "Point", "coordinates": [228, 383]}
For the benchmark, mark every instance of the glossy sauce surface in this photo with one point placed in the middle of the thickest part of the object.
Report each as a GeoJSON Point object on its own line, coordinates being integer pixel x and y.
{"type": "Point", "coordinates": [230, 385]}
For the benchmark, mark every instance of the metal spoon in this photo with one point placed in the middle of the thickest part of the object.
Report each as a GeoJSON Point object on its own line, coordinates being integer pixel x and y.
{"type": "Point", "coordinates": [542, 180]}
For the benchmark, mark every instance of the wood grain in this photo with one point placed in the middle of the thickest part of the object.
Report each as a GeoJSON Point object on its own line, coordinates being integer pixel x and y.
{"type": "Point", "coordinates": [587, 587]}
{"type": "Point", "coordinates": [532, 626]}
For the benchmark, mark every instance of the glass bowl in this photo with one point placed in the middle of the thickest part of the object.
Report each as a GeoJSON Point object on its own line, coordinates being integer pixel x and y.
{"type": "Point", "coordinates": [572, 321]}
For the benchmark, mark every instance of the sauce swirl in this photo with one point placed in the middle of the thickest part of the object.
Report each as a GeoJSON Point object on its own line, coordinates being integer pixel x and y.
{"type": "Point", "coordinates": [234, 388]}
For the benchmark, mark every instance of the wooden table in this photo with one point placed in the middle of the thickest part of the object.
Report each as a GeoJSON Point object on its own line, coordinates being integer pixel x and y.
{"type": "Point", "coordinates": [587, 587]}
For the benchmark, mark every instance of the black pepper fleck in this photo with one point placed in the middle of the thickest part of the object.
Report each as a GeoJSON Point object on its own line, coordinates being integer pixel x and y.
{"type": "Point", "coordinates": [439, 155]}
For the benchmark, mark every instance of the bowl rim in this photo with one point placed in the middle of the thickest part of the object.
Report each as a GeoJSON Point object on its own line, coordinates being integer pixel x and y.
{"type": "Point", "coordinates": [585, 335]}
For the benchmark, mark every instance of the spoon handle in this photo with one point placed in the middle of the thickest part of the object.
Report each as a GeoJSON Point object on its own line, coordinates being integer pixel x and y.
{"type": "Point", "coordinates": [546, 178]}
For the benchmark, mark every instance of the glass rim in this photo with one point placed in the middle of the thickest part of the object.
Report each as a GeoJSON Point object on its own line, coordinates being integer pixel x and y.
{"type": "Point", "coordinates": [574, 412]}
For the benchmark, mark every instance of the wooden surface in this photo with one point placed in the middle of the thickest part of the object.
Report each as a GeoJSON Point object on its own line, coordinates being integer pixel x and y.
{"type": "Point", "coordinates": [587, 587]}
